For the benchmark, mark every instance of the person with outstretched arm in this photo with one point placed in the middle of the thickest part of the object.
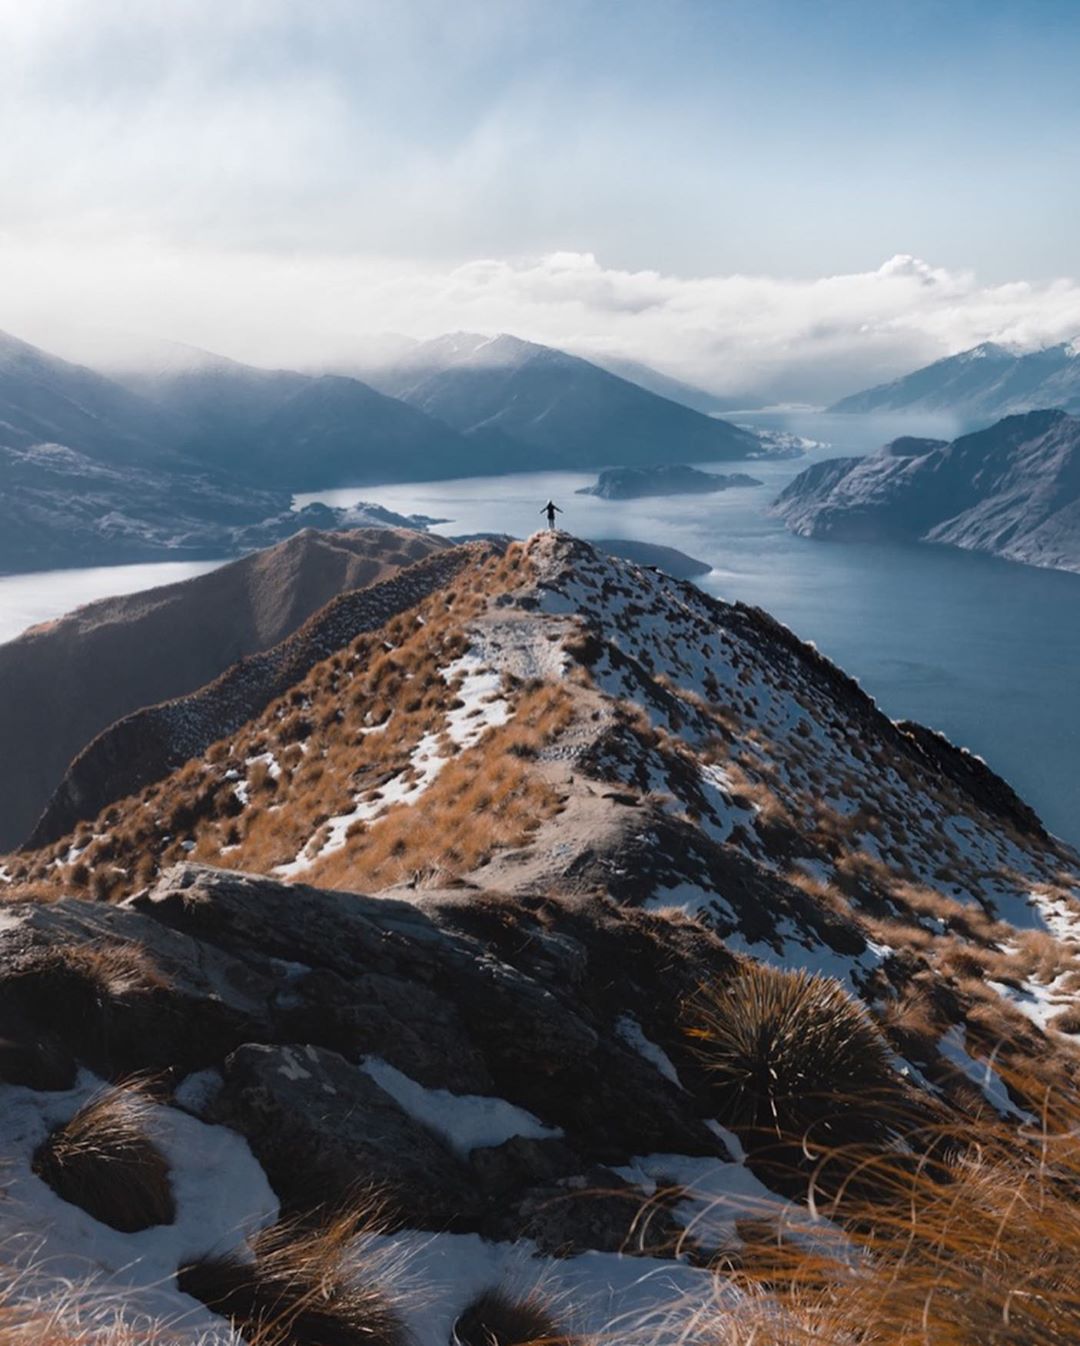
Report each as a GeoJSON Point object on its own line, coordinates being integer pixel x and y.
{"type": "Point", "coordinates": [551, 509]}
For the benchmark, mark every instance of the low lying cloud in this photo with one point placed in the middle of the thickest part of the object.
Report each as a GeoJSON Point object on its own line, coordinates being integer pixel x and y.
{"type": "Point", "coordinates": [762, 336]}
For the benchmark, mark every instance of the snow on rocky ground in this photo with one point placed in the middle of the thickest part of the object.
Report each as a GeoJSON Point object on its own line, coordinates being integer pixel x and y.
{"type": "Point", "coordinates": [466, 1121]}
{"type": "Point", "coordinates": [222, 1196]}
{"type": "Point", "coordinates": [789, 736]}
{"type": "Point", "coordinates": [220, 1190]}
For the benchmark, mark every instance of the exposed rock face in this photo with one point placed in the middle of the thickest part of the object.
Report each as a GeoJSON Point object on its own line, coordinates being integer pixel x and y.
{"type": "Point", "coordinates": [1012, 490]}
{"type": "Point", "coordinates": [289, 991]}
{"type": "Point", "coordinates": [980, 385]}
{"type": "Point", "coordinates": [634, 483]}
{"type": "Point", "coordinates": [63, 682]}
{"type": "Point", "coordinates": [148, 743]}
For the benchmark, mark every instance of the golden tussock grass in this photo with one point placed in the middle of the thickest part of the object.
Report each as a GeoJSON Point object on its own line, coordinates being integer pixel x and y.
{"type": "Point", "coordinates": [301, 1286]}
{"type": "Point", "coordinates": [780, 1047]}
{"type": "Point", "coordinates": [947, 1229]}
{"type": "Point", "coordinates": [485, 798]}
{"type": "Point", "coordinates": [104, 1160]}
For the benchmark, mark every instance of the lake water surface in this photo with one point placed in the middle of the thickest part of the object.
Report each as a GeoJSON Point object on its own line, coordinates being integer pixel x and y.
{"type": "Point", "coordinates": [26, 600]}
{"type": "Point", "coordinates": [987, 651]}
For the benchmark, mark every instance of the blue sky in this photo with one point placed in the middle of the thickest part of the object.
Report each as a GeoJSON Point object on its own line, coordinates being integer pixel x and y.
{"type": "Point", "coordinates": [152, 151]}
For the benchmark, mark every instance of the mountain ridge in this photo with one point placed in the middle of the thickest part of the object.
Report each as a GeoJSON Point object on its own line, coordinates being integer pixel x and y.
{"type": "Point", "coordinates": [982, 384]}
{"type": "Point", "coordinates": [67, 680]}
{"type": "Point", "coordinates": [476, 901]}
{"type": "Point", "coordinates": [1012, 490]}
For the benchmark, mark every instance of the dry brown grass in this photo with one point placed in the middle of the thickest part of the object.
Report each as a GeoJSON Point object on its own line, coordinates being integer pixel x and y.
{"type": "Point", "coordinates": [980, 1248]}
{"type": "Point", "coordinates": [486, 798]}
{"type": "Point", "coordinates": [301, 1286]}
{"type": "Point", "coordinates": [388, 680]}
{"type": "Point", "coordinates": [104, 1161]}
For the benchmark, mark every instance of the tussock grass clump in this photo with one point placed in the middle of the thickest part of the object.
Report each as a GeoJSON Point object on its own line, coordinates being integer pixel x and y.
{"type": "Point", "coordinates": [104, 1161]}
{"type": "Point", "coordinates": [300, 1287]}
{"type": "Point", "coordinates": [790, 1053]}
{"type": "Point", "coordinates": [979, 1251]}
{"type": "Point", "coordinates": [495, 1319]}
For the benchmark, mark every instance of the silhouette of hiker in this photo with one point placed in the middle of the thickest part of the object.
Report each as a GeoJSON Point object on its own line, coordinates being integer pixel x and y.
{"type": "Point", "coordinates": [551, 509]}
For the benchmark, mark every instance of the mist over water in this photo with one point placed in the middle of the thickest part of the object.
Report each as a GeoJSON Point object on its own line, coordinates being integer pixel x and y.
{"type": "Point", "coordinates": [26, 600]}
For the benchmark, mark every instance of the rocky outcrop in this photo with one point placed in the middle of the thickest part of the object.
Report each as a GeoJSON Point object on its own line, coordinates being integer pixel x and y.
{"type": "Point", "coordinates": [466, 1056]}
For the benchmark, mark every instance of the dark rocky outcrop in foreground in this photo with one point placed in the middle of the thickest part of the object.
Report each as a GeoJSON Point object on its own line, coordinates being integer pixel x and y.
{"type": "Point", "coordinates": [303, 1000]}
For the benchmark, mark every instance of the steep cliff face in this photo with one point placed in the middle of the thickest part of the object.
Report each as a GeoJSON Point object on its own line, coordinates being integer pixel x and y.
{"type": "Point", "coordinates": [1012, 490]}
{"type": "Point", "coordinates": [474, 907]}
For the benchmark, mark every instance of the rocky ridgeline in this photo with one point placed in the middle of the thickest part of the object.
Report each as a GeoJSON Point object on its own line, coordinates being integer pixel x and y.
{"type": "Point", "coordinates": [546, 812]}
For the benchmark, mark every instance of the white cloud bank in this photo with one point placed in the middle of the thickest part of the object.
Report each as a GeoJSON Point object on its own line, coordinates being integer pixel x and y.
{"type": "Point", "coordinates": [792, 339]}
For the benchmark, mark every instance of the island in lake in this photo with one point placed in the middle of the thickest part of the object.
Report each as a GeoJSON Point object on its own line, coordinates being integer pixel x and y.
{"type": "Point", "coordinates": [632, 483]}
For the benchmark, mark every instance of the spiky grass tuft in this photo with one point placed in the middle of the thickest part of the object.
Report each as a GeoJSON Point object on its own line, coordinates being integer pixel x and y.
{"type": "Point", "coordinates": [793, 1054]}
{"type": "Point", "coordinates": [105, 1162]}
{"type": "Point", "coordinates": [494, 1318]}
{"type": "Point", "coordinates": [301, 1286]}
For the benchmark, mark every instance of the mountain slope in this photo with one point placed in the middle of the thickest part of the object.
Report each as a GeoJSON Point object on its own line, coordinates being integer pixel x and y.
{"type": "Point", "coordinates": [500, 886]}
{"type": "Point", "coordinates": [146, 744]}
{"type": "Point", "coordinates": [207, 393]}
{"type": "Point", "coordinates": [666, 385]}
{"type": "Point", "coordinates": [575, 413]}
{"type": "Point", "coordinates": [66, 681]}
{"type": "Point", "coordinates": [337, 431]}
{"type": "Point", "coordinates": [46, 400]}
{"type": "Point", "coordinates": [982, 384]}
{"type": "Point", "coordinates": [1012, 490]}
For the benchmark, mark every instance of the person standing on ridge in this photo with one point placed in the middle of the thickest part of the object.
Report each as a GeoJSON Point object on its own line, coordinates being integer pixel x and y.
{"type": "Point", "coordinates": [551, 509]}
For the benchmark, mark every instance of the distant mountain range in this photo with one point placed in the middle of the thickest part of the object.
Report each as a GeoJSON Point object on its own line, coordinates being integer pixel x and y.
{"type": "Point", "coordinates": [540, 399]}
{"type": "Point", "coordinates": [1012, 490]}
{"type": "Point", "coordinates": [981, 385]}
{"type": "Point", "coordinates": [193, 454]}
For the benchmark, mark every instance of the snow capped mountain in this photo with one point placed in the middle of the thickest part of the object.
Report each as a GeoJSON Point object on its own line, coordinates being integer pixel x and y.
{"type": "Point", "coordinates": [576, 413]}
{"type": "Point", "coordinates": [982, 384]}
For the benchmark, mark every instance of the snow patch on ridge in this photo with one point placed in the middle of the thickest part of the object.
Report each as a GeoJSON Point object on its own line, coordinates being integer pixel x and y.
{"type": "Point", "coordinates": [482, 708]}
